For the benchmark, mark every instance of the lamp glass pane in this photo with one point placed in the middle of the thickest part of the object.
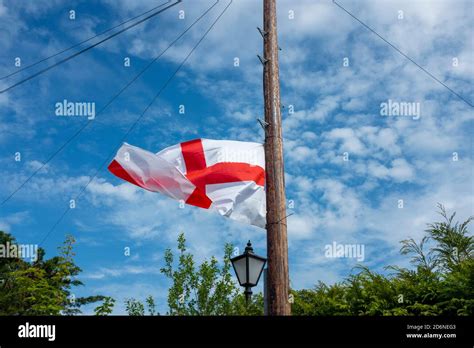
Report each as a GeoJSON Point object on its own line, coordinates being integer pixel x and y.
{"type": "Point", "coordinates": [255, 268]}
{"type": "Point", "coordinates": [241, 271]}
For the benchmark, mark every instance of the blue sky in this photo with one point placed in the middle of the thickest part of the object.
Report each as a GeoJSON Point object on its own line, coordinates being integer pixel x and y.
{"type": "Point", "coordinates": [336, 111]}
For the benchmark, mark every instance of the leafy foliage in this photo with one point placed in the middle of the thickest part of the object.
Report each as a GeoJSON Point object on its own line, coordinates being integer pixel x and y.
{"type": "Point", "coordinates": [43, 287]}
{"type": "Point", "coordinates": [134, 307]}
{"type": "Point", "coordinates": [442, 282]}
{"type": "Point", "coordinates": [106, 307]}
{"type": "Point", "coordinates": [151, 305]}
{"type": "Point", "coordinates": [207, 289]}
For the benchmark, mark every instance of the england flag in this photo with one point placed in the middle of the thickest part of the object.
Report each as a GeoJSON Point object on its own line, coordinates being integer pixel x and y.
{"type": "Point", "coordinates": [220, 175]}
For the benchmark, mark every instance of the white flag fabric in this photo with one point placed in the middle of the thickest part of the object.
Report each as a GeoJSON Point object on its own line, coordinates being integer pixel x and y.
{"type": "Point", "coordinates": [221, 175]}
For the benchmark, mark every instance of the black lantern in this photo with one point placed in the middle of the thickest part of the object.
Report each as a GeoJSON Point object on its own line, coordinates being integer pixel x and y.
{"type": "Point", "coordinates": [248, 267]}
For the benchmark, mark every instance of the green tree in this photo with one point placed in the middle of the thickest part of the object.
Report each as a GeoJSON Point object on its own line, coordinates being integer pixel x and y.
{"type": "Point", "coordinates": [41, 287]}
{"type": "Point", "coordinates": [441, 282]}
{"type": "Point", "coordinates": [453, 244]}
{"type": "Point", "coordinates": [151, 307]}
{"type": "Point", "coordinates": [134, 307]}
{"type": "Point", "coordinates": [106, 307]}
{"type": "Point", "coordinates": [207, 289]}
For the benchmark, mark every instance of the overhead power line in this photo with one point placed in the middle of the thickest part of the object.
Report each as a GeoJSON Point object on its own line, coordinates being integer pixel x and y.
{"type": "Point", "coordinates": [405, 55]}
{"type": "Point", "coordinates": [86, 124]}
{"type": "Point", "coordinates": [87, 48]}
{"type": "Point", "coordinates": [82, 42]}
{"type": "Point", "coordinates": [135, 123]}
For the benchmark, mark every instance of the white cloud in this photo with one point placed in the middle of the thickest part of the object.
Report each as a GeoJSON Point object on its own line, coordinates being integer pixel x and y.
{"type": "Point", "coordinates": [47, 186]}
{"type": "Point", "coordinates": [348, 140]}
{"type": "Point", "coordinates": [293, 123]}
{"type": "Point", "coordinates": [121, 271]}
{"type": "Point", "coordinates": [401, 170]}
{"type": "Point", "coordinates": [302, 154]}
{"type": "Point", "coordinates": [35, 165]}
{"type": "Point", "coordinates": [8, 221]}
{"type": "Point", "coordinates": [3, 9]}
{"type": "Point", "coordinates": [100, 189]}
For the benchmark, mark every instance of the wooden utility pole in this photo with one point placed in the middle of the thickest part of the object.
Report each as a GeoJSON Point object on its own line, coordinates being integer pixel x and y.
{"type": "Point", "coordinates": [277, 244]}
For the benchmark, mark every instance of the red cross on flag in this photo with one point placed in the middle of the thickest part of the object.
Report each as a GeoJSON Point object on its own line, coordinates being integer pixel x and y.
{"type": "Point", "coordinates": [221, 175]}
